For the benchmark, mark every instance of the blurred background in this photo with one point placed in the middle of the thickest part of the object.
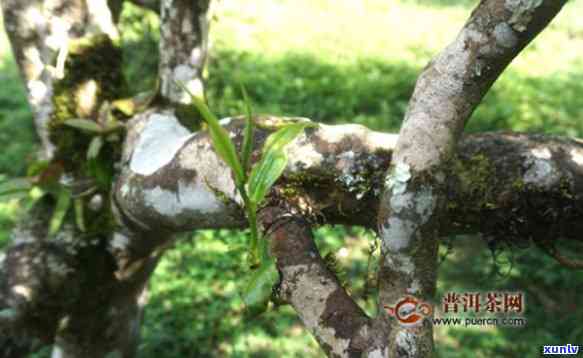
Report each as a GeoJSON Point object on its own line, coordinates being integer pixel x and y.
{"type": "Point", "coordinates": [338, 62]}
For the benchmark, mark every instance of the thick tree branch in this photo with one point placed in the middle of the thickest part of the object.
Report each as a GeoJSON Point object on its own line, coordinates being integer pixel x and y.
{"type": "Point", "coordinates": [414, 203]}
{"type": "Point", "coordinates": [327, 311]}
{"type": "Point", "coordinates": [503, 185]}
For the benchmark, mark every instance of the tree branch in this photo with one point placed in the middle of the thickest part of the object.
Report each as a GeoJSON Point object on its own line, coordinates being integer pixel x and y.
{"type": "Point", "coordinates": [339, 325]}
{"type": "Point", "coordinates": [506, 186]}
{"type": "Point", "coordinates": [413, 206]}
{"type": "Point", "coordinates": [183, 48]}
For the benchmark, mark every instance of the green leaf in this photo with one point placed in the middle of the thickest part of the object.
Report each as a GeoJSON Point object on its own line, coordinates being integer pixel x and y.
{"type": "Point", "coordinates": [84, 124]}
{"type": "Point", "coordinates": [283, 136]}
{"type": "Point", "coordinates": [257, 291]}
{"type": "Point", "coordinates": [248, 133]}
{"type": "Point", "coordinates": [273, 162]}
{"type": "Point", "coordinates": [94, 147]}
{"type": "Point", "coordinates": [80, 214]}
{"type": "Point", "coordinates": [220, 138]}
{"type": "Point", "coordinates": [101, 171]}
{"type": "Point", "coordinates": [265, 174]}
{"type": "Point", "coordinates": [63, 204]}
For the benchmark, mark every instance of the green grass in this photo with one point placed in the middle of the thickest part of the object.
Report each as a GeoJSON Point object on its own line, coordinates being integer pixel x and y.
{"type": "Point", "coordinates": [338, 62]}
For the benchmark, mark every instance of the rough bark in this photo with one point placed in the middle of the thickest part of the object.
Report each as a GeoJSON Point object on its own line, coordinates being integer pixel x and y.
{"type": "Point", "coordinates": [183, 48]}
{"type": "Point", "coordinates": [39, 32]}
{"type": "Point", "coordinates": [447, 92]}
{"type": "Point", "coordinates": [73, 290]}
{"type": "Point", "coordinates": [335, 175]}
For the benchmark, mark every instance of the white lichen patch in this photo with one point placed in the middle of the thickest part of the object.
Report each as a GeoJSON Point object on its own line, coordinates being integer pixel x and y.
{"type": "Point", "coordinates": [125, 190]}
{"type": "Point", "coordinates": [522, 12]}
{"type": "Point", "coordinates": [397, 180]}
{"type": "Point", "coordinates": [189, 78]}
{"type": "Point", "coordinates": [302, 154]}
{"type": "Point", "coordinates": [57, 352]}
{"type": "Point", "coordinates": [401, 263]}
{"type": "Point", "coordinates": [100, 19]}
{"type": "Point", "coordinates": [311, 309]}
{"type": "Point", "coordinates": [378, 140]}
{"type": "Point", "coordinates": [34, 18]}
{"type": "Point", "coordinates": [377, 353]}
{"type": "Point", "coordinates": [158, 144]}
{"type": "Point", "coordinates": [577, 156]}
{"type": "Point", "coordinates": [335, 134]}
{"type": "Point", "coordinates": [407, 341]}
{"type": "Point", "coordinates": [505, 36]}
{"type": "Point", "coordinates": [424, 204]}
{"type": "Point", "coordinates": [201, 158]}
{"type": "Point", "coordinates": [119, 242]}
{"type": "Point", "coordinates": [37, 91]}
{"type": "Point", "coordinates": [225, 121]}
{"type": "Point", "coordinates": [542, 153]}
{"type": "Point", "coordinates": [398, 234]}
{"type": "Point", "coordinates": [35, 64]}
{"type": "Point", "coordinates": [187, 198]}
{"type": "Point", "coordinates": [540, 172]}
{"type": "Point", "coordinates": [23, 291]}
{"type": "Point", "coordinates": [400, 201]}
{"type": "Point", "coordinates": [415, 287]}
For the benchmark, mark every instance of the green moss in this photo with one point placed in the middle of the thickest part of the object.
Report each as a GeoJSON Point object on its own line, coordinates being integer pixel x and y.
{"type": "Point", "coordinates": [92, 77]}
{"type": "Point", "coordinates": [475, 177]}
{"type": "Point", "coordinates": [518, 184]}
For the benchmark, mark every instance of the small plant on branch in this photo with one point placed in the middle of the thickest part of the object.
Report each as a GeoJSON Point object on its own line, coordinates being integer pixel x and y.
{"type": "Point", "coordinates": [253, 184]}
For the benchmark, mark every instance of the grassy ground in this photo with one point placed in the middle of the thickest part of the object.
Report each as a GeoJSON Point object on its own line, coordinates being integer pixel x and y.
{"type": "Point", "coordinates": [336, 62]}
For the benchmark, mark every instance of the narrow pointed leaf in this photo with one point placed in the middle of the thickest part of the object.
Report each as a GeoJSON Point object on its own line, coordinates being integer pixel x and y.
{"type": "Point", "coordinates": [273, 162]}
{"type": "Point", "coordinates": [94, 147]}
{"type": "Point", "coordinates": [63, 204]}
{"type": "Point", "coordinates": [220, 138]}
{"type": "Point", "coordinates": [257, 291]}
{"type": "Point", "coordinates": [283, 136]}
{"type": "Point", "coordinates": [265, 174]}
{"type": "Point", "coordinates": [80, 215]}
{"type": "Point", "coordinates": [84, 124]}
{"type": "Point", "coordinates": [248, 134]}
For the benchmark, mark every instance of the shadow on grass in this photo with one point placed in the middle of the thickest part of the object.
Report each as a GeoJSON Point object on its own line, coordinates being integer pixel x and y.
{"type": "Point", "coordinates": [195, 310]}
